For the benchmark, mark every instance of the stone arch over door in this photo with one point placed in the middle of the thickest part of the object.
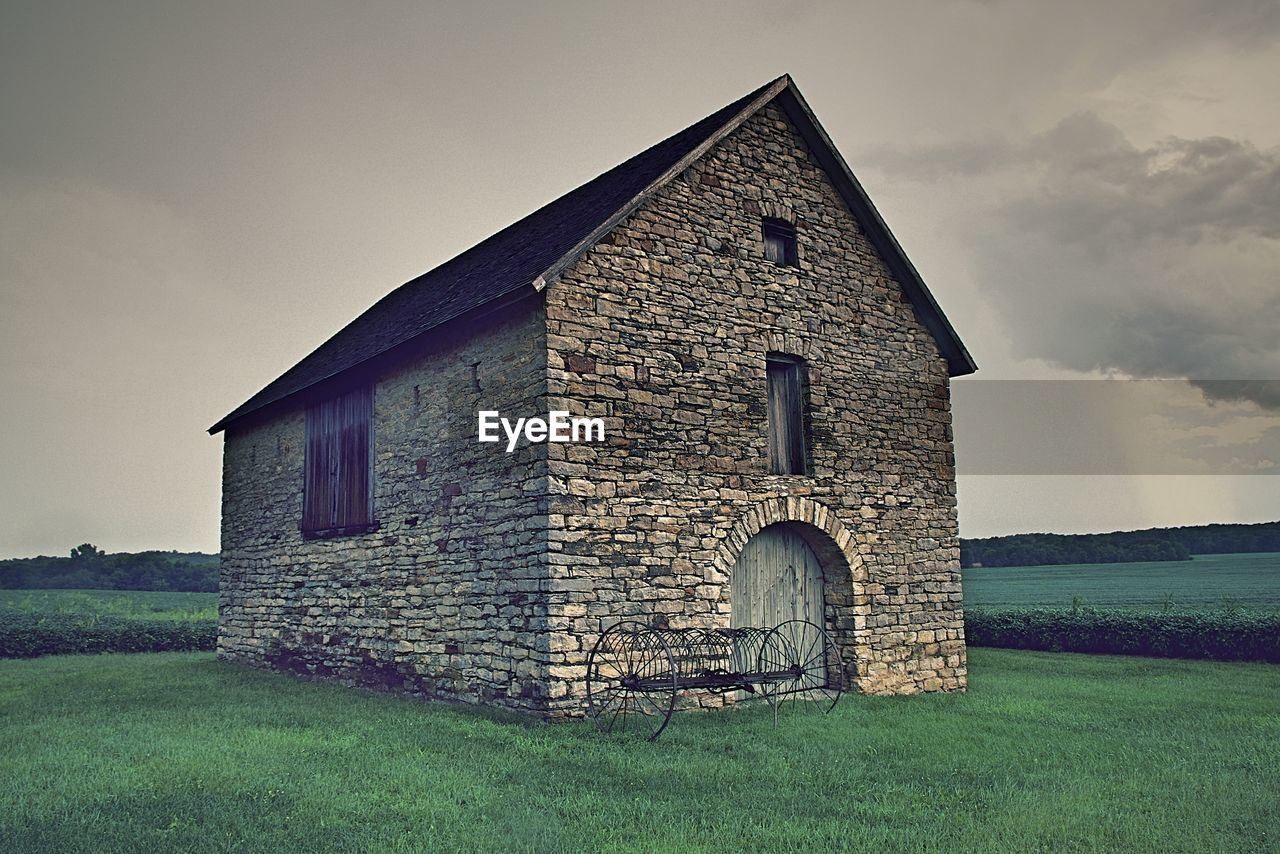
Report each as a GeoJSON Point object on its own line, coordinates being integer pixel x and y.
{"type": "Point", "coordinates": [845, 606]}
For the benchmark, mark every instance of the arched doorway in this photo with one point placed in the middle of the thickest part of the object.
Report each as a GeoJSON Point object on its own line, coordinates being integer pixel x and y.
{"type": "Point", "coordinates": [776, 578]}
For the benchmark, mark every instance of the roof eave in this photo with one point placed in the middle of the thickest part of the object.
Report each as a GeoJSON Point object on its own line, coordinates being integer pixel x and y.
{"type": "Point", "coordinates": [390, 355]}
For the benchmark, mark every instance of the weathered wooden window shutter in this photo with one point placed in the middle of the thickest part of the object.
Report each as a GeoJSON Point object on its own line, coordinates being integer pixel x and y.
{"type": "Point", "coordinates": [338, 488]}
{"type": "Point", "coordinates": [787, 451]}
{"type": "Point", "coordinates": [318, 497]}
{"type": "Point", "coordinates": [780, 242]}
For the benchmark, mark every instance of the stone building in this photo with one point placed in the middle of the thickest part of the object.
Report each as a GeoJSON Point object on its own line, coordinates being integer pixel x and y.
{"type": "Point", "coordinates": [773, 379]}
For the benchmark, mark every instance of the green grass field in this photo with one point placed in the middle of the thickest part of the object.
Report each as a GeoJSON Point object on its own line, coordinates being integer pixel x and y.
{"type": "Point", "coordinates": [1045, 752]}
{"type": "Point", "coordinates": [1249, 581]}
{"type": "Point", "coordinates": [138, 604]}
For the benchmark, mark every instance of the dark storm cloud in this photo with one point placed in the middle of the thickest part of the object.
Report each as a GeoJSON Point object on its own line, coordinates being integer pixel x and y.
{"type": "Point", "coordinates": [1100, 255]}
{"type": "Point", "coordinates": [1247, 23]}
{"type": "Point", "coordinates": [1095, 186]}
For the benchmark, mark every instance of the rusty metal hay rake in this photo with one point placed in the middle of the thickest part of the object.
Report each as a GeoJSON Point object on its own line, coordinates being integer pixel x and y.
{"type": "Point", "coordinates": [635, 673]}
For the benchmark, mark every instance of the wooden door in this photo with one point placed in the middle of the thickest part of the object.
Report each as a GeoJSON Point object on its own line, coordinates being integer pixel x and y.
{"type": "Point", "coordinates": [777, 578]}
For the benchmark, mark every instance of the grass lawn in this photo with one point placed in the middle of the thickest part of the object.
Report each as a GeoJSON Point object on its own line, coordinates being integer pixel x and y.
{"type": "Point", "coordinates": [1047, 751]}
{"type": "Point", "coordinates": [1250, 581]}
{"type": "Point", "coordinates": [137, 604]}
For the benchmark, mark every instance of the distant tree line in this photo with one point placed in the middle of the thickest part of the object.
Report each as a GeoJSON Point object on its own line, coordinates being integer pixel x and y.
{"type": "Point", "coordinates": [1120, 546]}
{"type": "Point", "coordinates": [90, 568]}
{"type": "Point", "coordinates": [1223, 539]}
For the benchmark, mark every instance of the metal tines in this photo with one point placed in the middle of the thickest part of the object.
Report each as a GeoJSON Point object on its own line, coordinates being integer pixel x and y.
{"type": "Point", "coordinates": [636, 672]}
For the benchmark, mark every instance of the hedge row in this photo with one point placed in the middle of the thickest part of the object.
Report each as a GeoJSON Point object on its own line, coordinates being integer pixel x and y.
{"type": "Point", "coordinates": [1220, 635]}
{"type": "Point", "coordinates": [24, 635]}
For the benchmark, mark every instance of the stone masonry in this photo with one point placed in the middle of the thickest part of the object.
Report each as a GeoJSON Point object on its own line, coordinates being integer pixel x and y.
{"type": "Point", "coordinates": [663, 329]}
{"type": "Point", "coordinates": [448, 598]}
{"type": "Point", "coordinates": [492, 574]}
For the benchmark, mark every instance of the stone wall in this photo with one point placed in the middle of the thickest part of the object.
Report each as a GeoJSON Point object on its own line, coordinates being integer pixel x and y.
{"type": "Point", "coordinates": [447, 598]}
{"type": "Point", "coordinates": [492, 574]}
{"type": "Point", "coordinates": [662, 329]}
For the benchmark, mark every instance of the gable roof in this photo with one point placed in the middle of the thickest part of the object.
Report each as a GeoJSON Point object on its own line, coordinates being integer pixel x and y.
{"type": "Point", "coordinates": [523, 257]}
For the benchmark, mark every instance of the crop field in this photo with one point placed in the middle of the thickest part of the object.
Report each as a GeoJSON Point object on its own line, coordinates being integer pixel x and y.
{"type": "Point", "coordinates": [1046, 752]}
{"type": "Point", "coordinates": [1249, 581]}
{"type": "Point", "coordinates": [134, 604]}
{"type": "Point", "coordinates": [45, 622]}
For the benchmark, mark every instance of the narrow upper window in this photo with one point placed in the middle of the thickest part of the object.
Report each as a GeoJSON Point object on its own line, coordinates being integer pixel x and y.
{"type": "Point", "coordinates": [787, 446]}
{"type": "Point", "coordinates": [337, 486]}
{"type": "Point", "coordinates": [780, 242]}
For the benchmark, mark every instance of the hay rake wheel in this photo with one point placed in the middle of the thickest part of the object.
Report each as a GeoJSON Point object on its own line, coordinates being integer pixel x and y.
{"type": "Point", "coordinates": [634, 672]}
{"type": "Point", "coordinates": [631, 680]}
{"type": "Point", "coordinates": [799, 665]}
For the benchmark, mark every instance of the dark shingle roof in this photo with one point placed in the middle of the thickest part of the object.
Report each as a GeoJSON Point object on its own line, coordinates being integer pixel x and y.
{"type": "Point", "coordinates": [512, 259]}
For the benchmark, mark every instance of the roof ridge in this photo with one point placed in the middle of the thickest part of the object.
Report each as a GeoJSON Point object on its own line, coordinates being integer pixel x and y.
{"type": "Point", "coordinates": [754, 102]}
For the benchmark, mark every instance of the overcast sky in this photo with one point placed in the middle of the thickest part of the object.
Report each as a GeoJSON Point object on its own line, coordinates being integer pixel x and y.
{"type": "Point", "coordinates": [195, 195]}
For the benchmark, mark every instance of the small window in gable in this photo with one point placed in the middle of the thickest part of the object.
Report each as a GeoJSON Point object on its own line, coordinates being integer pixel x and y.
{"type": "Point", "coordinates": [788, 448]}
{"type": "Point", "coordinates": [338, 480]}
{"type": "Point", "coordinates": [780, 242]}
